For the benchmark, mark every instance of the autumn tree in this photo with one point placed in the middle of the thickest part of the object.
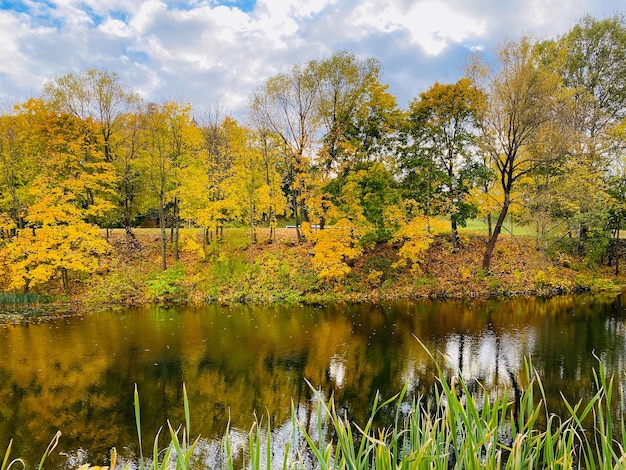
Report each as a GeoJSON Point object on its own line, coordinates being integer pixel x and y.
{"type": "Point", "coordinates": [207, 180]}
{"type": "Point", "coordinates": [286, 106]}
{"type": "Point", "coordinates": [345, 84]}
{"type": "Point", "coordinates": [71, 191]}
{"type": "Point", "coordinates": [592, 62]}
{"type": "Point", "coordinates": [616, 190]}
{"type": "Point", "coordinates": [442, 127]}
{"type": "Point", "coordinates": [172, 140]}
{"type": "Point", "coordinates": [100, 96]}
{"type": "Point", "coordinates": [274, 203]}
{"type": "Point", "coordinates": [357, 113]}
{"type": "Point", "coordinates": [19, 153]}
{"type": "Point", "coordinates": [519, 102]}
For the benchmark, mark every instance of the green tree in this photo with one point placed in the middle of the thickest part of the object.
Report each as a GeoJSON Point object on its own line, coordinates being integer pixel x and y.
{"type": "Point", "coordinates": [442, 127]}
{"type": "Point", "coordinates": [345, 86]}
{"type": "Point", "coordinates": [592, 62]}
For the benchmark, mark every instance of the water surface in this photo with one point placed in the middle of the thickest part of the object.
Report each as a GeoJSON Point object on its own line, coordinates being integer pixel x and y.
{"type": "Point", "coordinates": [77, 375]}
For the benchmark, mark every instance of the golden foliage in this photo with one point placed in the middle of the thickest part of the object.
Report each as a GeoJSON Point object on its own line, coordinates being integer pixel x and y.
{"type": "Point", "coordinates": [36, 258]}
{"type": "Point", "coordinates": [417, 236]}
{"type": "Point", "coordinates": [334, 248]}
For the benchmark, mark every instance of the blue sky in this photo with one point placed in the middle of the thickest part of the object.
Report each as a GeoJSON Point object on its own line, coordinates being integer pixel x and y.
{"type": "Point", "coordinates": [217, 51]}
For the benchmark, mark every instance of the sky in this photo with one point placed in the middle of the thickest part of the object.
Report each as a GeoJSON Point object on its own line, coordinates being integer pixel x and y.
{"type": "Point", "coordinates": [216, 52]}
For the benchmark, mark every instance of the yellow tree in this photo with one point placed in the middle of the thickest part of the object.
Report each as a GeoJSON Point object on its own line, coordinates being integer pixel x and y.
{"type": "Point", "coordinates": [100, 96]}
{"type": "Point", "coordinates": [417, 236]}
{"type": "Point", "coordinates": [18, 167]}
{"type": "Point", "coordinates": [286, 106]}
{"type": "Point", "coordinates": [64, 244]}
{"type": "Point", "coordinates": [206, 181]}
{"type": "Point", "coordinates": [335, 248]}
{"type": "Point", "coordinates": [172, 142]}
{"type": "Point", "coordinates": [443, 126]}
{"type": "Point", "coordinates": [272, 201]}
{"type": "Point", "coordinates": [254, 185]}
{"type": "Point", "coordinates": [251, 189]}
{"type": "Point", "coordinates": [73, 188]}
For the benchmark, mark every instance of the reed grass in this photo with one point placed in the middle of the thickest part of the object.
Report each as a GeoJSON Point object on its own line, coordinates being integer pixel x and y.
{"type": "Point", "coordinates": [18, 298]}
{"type": "Point", "coordinates": [454, 429]}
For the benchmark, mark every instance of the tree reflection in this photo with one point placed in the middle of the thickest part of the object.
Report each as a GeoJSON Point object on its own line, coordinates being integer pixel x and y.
{"type": "Point", "coordinates": [77, 375]}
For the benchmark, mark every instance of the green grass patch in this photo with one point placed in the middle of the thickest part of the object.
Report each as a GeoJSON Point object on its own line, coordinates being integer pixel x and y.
{"type": "Point", "coordinates": [480, 226]}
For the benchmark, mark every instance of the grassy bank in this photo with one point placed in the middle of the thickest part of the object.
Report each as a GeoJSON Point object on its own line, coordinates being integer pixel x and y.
{"type": "Point", "coordinates": [458, 429]}
{"type": "Point", "coordinates": [229, 270]}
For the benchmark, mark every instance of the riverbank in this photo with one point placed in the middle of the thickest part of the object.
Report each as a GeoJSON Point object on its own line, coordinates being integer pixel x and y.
{"type": "Point", "coordinates": [229, 271]}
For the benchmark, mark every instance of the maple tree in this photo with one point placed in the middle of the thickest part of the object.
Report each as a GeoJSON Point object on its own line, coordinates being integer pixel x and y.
{"type": "Point", "coordinates": [417, 236]}
{"type": "Point", "coordinates": [18, 167]}
{"type": "Point", "coordinates": [334, 249]}
{"type": "Point", "coordinates": [69, 194]}
{"type": "Point", "coordinates": [115, 110]}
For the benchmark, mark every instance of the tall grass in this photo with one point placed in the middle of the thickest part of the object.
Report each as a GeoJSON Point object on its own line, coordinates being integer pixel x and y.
{"type": "Point", "coordinates": [19, 298]}
{"type": "Point", "coordinates": [454, 429]}
{"type": "Point", "coordinates": [458, 429]}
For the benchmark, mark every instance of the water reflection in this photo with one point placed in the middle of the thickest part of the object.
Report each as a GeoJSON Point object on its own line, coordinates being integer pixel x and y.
{"type": "Point", "coordinates": [77, 375]}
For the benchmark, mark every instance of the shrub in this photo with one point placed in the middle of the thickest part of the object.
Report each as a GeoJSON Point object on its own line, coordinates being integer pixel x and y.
{"type": "Point", "coordinates": [165, 286]}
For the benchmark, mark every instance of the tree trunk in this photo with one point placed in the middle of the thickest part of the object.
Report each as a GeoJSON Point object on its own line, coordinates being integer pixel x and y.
{"type": "Point", "coordinates": [64, 277]}
{"type": "Point", "coordinates": [163, 235]}
{"type": "Point", "coordinates": [251, 227]}
{"type": "Point", "coordinates": [176, 230]}
{"type": "Point", "coordinates": [296, 214]}
{"type": "Point", "coordinates": [456, 242]}
{"type": "Point", "coordinates": [619, 220]}
{"type": "Point", "coordinates": [272, 236]}
{"type": "Point", "coordinates": [491, 244]}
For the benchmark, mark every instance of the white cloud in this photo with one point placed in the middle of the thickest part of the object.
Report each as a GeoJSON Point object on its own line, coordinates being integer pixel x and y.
{"type": "Point", "coordinates": [210, 51]}
{"type": "Point", "coordinates": [115, 27]}
{"type": "Point", "coordinates": [431, 24]}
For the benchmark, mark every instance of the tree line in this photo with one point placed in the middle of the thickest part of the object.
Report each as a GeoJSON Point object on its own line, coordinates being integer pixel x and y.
{"type": "Point", "coordinates": [537, 134]}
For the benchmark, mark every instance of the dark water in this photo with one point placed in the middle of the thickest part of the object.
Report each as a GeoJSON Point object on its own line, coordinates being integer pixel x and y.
{"type": "Point", "coordinates": [77, 375]}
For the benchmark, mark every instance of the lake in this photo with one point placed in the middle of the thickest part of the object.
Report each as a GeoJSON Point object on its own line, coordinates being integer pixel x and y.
{"type": "Point", "coordinates": [78, 374]}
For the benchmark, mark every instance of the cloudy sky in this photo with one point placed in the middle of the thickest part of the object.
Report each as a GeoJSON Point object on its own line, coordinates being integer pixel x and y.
{"type": "Point", "coordinates": [217, 51]}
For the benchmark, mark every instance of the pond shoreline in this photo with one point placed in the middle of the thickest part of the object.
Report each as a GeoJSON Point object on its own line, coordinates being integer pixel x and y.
{"type": "Point", "coordinates": [40, 313]}
{"type": "Point", "coordinates": [281, 274]}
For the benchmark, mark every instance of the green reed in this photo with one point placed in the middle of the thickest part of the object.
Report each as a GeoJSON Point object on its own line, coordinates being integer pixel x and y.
{"type": "Point", "coordinates": [455, 429]}
{"type": "Point", "coordinates": [19, 298]}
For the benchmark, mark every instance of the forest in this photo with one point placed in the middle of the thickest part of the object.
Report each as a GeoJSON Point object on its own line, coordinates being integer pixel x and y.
{"type": "Point", "coordinates": [533, 134]}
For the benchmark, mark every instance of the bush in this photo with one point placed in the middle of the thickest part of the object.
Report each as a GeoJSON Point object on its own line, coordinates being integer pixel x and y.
{"type": "Point", "coordinates": [165, 286]}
